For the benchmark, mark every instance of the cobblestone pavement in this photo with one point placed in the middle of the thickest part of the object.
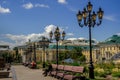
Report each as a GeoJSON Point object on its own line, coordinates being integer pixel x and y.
{"type": "Point", "coordinates": [24, 73]}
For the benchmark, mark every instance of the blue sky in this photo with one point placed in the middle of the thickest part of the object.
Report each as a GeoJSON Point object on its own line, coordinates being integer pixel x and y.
{"type": "Point", "coordinates": [21, 20]}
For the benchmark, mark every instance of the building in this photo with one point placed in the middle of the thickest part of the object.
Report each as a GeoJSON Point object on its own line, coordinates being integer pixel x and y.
{"type": "Point", "coordinates": [110, 47]}
{"type": "Point", "coordinates": [46, 51]}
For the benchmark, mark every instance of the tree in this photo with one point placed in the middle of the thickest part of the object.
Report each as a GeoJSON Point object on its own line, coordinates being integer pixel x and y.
{"type": "Point", "coordinates": [17, 55]}
{"type": "Point", "coordinates": [76, 54]}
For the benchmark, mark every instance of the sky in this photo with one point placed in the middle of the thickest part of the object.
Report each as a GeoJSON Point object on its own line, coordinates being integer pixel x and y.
{"type": "Point", "coordinates": [21, 20]}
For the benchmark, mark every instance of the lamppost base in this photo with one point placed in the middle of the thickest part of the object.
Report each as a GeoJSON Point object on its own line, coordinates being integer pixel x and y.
{"type": "Point", "coordinates": [43, 64]}
{"type": "Point", "coordinates": [91, 71]}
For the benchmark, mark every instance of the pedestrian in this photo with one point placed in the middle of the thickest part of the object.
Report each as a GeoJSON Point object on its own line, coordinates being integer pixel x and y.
{"type": "Point", "coordinates": [33, 64]}
{"type": "Point", "coordinates": [49, 69]}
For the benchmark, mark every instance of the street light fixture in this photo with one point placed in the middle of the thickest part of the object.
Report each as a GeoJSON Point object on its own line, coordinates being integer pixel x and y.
{"type": "Point", "coordinates": [57, 37]}
{"type": "Point", "coordinates": [44, 42]}
{"type": "Point", "coordinates": [34, 51]}
{"type": "Point", "coordinates": [89, 18]}
{"type": "Point", "coordinates": [32, 48]}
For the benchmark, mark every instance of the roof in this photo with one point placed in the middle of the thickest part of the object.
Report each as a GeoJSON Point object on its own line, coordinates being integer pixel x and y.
{"type": "Point", "coordinates": [61, 47]}
{"type": "Point", "coordinates": [115, 39]}
{"type": "Point", "coordinates": [70, 47]}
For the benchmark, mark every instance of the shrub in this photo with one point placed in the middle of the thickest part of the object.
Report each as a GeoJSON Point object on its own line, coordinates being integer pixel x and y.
{"type": "Point", "coordinates": [116, 74]}
{"type": "Point", "coordinates": [102, 72]}
{"type": "Point", "coordinates": [115, 70]}
{"type": "Point", "coordinates": [75, 63]}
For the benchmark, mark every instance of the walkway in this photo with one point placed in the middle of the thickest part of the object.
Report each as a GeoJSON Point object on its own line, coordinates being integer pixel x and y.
{"type": "Point", "coordinates": [24, 73]}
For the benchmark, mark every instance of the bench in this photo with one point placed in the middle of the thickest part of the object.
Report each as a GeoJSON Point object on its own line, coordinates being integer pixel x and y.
{"type": "Point", "coordinates": [60, 71]}
{"type": "Point", "coordinates": [4, 74]}
{"type": "Point", "coordinates": [53, 72]}
{"type": "Point", "coordinates": [68, 72]}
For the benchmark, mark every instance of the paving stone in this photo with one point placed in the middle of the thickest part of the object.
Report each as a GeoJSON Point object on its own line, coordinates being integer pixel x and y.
{"type": "Point", "coordinates": [24, 73]}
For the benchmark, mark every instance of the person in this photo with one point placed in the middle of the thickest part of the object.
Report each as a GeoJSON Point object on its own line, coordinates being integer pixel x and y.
{"type": "Point", "coordinates": [49, 69]}
{"type": "Point", "coordinates": [33, 64]}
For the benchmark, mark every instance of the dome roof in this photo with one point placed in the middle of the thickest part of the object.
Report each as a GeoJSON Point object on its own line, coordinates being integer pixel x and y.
{"type": "Point", "coordinates": [113, 39]}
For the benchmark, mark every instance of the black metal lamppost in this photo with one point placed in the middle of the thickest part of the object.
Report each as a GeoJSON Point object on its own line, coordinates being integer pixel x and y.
{"type": "Point", "coordinates": [89, 18]}
{"type": "Point", "coordinates": [57, 37]}
{"type": "Point", "coordinates": [32, 48]}
{"type": "Point", "coordinates": [34, 51]}
{"type": "Point", "coordinates": [44, 43]}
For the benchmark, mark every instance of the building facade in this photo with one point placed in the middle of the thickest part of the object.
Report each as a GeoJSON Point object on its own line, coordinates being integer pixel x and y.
{"type": "Point", "coordinates": [46, 51]}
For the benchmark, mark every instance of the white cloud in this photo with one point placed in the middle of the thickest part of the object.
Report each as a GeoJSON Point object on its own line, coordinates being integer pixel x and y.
{"type": "Point", "coordinates": [110, 18]}
{"type": "Point", "coordinates": [4, 43]}
{"type": "Point", "coordinates": [52, 27]}
{"type": "Point", "coordinates": [4, 10]}
{"type": "Point", "coordinates": [81, 38]}
{"type": "Point", "coordinates": [70, 34]}
{"type": "Point", "coordinates": [118, 34]}
{"type": "Point", "coordinates": [11, 45]}
{"type": "Point", "coordinates": [62, 1]}
{"type": "Point", "coordinates": [41, 5]}
{"type": "Point", "coordinates": [49, 28]}
{"type": "Point", "coordinates": [28, 5]}
{"type": "Point", "coordinates": [18, 40]}
{"type": "Point", "coordinates": [72, 39]}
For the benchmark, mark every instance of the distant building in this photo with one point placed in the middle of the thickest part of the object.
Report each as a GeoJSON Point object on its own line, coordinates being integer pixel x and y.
{"type": "Point", "coordinates": [4, 47]}
{"type": "Point", "coordinates": [46, 51]}
{"type": "Point", "coordinates": [110, 47]}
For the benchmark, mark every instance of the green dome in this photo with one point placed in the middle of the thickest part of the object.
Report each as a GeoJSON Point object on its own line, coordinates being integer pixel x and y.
{"type": "Point", "coordinates": [113, 39]}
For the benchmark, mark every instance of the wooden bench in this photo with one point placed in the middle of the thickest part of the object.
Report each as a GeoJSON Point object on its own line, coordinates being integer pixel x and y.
{"type": "Point", "coordinates": [68, 72]}
{"type": "Point", "coordinates": [4, 74]}
{"type": "Point", "coordinates": [53, 72]}
{"type": "Point", "coordinates": [60, 71]}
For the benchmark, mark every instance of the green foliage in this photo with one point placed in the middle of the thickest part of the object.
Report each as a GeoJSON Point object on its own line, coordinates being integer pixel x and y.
{"type": "Point", "coordinates": [110, 65]}
{"type": "Point", "coordinates": [82, 58]}
{"type": "Point", "coordinates": [75, 64]}
{"type": "Point", "coordinates": [102, 72]}
{"type": "Point", "coordinates": [7, 56]}
{"type": "Point", "coordinates": [116, 74]}
{"type": "Point", "coordinates": [77, 54]}
{"type": "Point", "coordinates": [38, 62]}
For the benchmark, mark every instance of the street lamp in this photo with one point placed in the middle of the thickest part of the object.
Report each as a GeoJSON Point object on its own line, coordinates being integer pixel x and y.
{"type": "Point", "coordinates": [44, 42]}
{"type": "Point", "coordinates": [32, 48]}
{"type": "Point", "coordinates": [89, 18]}
{"type": "Point", "coordinates": [57, 37]}
{"type": "Point", "coordinates": [34, 51]}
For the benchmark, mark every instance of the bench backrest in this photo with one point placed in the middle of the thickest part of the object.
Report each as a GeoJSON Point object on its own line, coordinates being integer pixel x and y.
{"type": "Point", "coordinates": [78, 69]}
{"type": "Point", "coordinates": [60, 67]}
{"type": "Point", "coordinates": [54, 66]}
{"type": "Point", "coordinates": [68, 68]}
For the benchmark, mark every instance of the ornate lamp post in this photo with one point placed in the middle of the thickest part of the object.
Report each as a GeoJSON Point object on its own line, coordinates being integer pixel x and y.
{"type": "Point", "coordinates": [44, 43]}
{"type": "Point", "coordinates": [57, 37]}
{"type": "Point", "coordinates": [88, 18]}
{"type": "Point", "coordinates": [34, 51]}
{"type": "Point", "coordinates": [32, 48]}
